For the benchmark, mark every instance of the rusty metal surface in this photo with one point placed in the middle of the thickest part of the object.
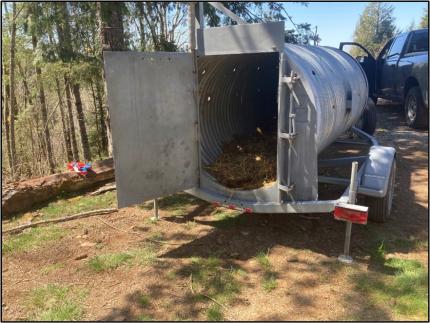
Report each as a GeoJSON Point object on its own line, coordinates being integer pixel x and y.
{"type": "Point", "coordinates": [153, 118]}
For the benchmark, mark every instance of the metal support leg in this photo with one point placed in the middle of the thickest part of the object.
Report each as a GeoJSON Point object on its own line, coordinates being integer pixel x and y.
{"type": "Point", "coordinates": [155, 217]}
{"type": "Point", "coordinates": [346, 258]}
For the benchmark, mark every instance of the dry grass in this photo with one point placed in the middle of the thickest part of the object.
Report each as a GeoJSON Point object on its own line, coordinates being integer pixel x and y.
{"type": "Point", "coordinates": [246, 162]}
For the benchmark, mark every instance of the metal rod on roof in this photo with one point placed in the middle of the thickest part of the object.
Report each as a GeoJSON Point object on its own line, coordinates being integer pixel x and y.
{"type": "Point", "coordinates": [227, 12]}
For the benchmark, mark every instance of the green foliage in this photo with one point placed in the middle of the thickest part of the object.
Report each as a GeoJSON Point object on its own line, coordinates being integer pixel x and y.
{"type": "Point", "coordinates": [263, 260]}
{"type": "Point", "coordinates": [51, 268]}
{"type": "Point", "coordinates": [32, 239]}
{"type": "Point", "coordinates": [53, 302]}
{"type": "Point", "coordinates": [109, 261]}
{"type": "Point", "coordinates": [144, 300]}
{"type": "Point", "coordinates": [212, 279]}
{"type": "Point", "coordinates": [269, 281]}
{"type": "Point", "coordinates": [424, 23]}
{"type": "Point", "coordinates": [400, 284]}
{"type": "Point", "coordinates": [63, 39]}
{"type": "Point", "coordinates": [146, 255]}
{"type": "Point", "coordinates": [214, 313]}
{"type": "Point", "coordinates": [142, 256]}
{"type": "Point", "coordinates": [144, 317]}
{"type": "Point", "coordinates": [226, 218]}
{"type": "Point", "coordinates": [375, 27]}
{"type": "Point", "coordinates": [71, 204]}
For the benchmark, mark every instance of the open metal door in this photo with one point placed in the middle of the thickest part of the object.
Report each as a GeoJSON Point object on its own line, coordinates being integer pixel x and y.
{"type": "Point", "coordinates": [153, 117]}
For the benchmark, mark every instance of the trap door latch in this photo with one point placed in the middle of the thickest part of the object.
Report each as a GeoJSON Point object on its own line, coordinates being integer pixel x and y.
{"type": "Point", "coordinates": [291, 134]}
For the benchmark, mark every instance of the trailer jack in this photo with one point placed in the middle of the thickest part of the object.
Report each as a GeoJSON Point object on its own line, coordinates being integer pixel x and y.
{"type": "Point", "coordinates": [350, 213]}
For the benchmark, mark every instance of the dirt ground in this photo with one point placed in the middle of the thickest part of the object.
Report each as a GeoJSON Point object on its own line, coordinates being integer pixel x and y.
{"type": "Point", "coordinates": [310, 283]}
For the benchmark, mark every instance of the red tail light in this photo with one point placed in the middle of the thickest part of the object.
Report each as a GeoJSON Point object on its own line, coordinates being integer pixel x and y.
{"type": "Point", "coordinates": [351, 212]}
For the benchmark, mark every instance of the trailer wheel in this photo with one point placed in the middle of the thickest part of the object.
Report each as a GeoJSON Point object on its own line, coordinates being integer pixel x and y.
{"type": "Point", "coordinates": [367, 122]}
{"type": "Point", "coordinates": [380, 208]}
{"type": "Point", "coordinates": [416, 113]}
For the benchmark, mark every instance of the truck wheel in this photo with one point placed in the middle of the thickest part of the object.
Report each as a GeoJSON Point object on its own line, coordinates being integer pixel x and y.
{"type": "Point", "coordinates": [416, 113]}
{"type": "Point", "coordinates": [380, 208]}
{"type": "Point", "coordinates": [367, 121]}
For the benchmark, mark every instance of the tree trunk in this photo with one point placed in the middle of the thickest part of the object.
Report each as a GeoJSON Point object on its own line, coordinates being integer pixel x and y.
{"type": "Point", "coordinates": [104, 138]}
{"type": "Point", "coordinates": [81, 121]}
{"type": "Point", "coordinates": [6, 125]}
{"type": "Point", "coordinates": [111, 36]}
{"type": "Point", "coordinates": [70, 119]}
{"type": "Point", "coordinates": [44, 113]}
{"type": "Point", "coordinates": [27, 96]}
{"type": "Point", "coordinates": [12, 89]}
{"type": "Point", "coordinates": [66, 131]}
{"type": "Point", "coordinates": [141, 26]}
{"type": "Point", "coordinates": [97, 119]}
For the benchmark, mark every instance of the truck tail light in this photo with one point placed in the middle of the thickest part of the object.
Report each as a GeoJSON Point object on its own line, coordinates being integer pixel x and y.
{"type": "Point", "coordinates": [351, 212]}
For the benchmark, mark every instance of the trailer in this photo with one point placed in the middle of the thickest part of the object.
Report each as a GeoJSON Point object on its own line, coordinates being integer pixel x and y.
{"type": "Point", "coordinates": [171, 112]}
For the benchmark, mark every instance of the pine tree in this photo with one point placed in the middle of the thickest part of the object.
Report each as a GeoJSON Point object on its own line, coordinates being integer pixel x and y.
{"type": "Point", "coordinates": [424, 23]}
{"type": "Point", "coordinates": [12, 84]}
{"type": "Point", "coordinates": [375, 27]}
{"type": "Point", "coordinates": [111, 37]}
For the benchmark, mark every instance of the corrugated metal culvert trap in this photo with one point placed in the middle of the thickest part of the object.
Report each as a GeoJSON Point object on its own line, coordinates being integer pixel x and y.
{"type": "Point", "coordinates": [238, 93]}
{"type": "Point", "coordinates": [245, 82]}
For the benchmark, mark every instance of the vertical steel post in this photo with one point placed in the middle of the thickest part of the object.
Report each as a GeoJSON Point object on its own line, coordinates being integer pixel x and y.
{"type": "Point", "coordinates": [155, 217]}
{"type": "Point", "coordinates": [201, 16]}
{"type": "Point", "coordinates": [345, 257]}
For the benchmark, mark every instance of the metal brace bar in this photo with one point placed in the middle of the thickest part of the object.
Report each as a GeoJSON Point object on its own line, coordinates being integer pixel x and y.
{"type": "Point", "coordinates": [231, 15]}
{"type": "Point", "coordinates": [285, 188]}
{"type": "Point", "coordinates": [291, 126]}
{"type": "Point", "coordinates": [287, 135]}
{"type": "Point", "coordinates": [155, 217]}
{"type": "Point", "coordinates": [333, 180]}
{"type": "Point", "coordinates": [290, 80]}
{"type": "Point", "coordinates": [351, 142]}
{"type": "Point", "coordinates": [341, 161]}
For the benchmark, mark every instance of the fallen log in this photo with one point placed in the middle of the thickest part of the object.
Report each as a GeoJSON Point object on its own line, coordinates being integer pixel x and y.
{"type": "Point", "coordinates": [22, 196]}
{"type": "Point", "coordinates": [63, 219]}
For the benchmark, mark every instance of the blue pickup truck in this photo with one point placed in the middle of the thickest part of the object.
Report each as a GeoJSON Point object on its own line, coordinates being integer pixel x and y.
{"type": "Point", "coordinates": [400, 74]}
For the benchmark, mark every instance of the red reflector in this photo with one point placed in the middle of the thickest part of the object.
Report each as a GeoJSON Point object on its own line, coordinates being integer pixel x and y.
{"type": "Point", "coordinates": [247, 210]}
{"type": "Point", "coordinates": [231, 206]}
{"type": "Point", "coordinates": [351, 212]}
{"type": "Point", "coordinates": [216, 204]}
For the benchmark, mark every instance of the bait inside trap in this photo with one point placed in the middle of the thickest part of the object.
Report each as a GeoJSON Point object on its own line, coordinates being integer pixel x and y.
{"type": "Point", "coordinates": [246, 162]}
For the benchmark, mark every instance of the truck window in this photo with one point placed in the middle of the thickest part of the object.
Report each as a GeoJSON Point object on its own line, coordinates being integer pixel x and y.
{"type": "Point", "coordinates": [397, 47]}
{"type": "Point", "coordinates": [383, 54]}
{"type": "Point", "coordinates": [419, 42]}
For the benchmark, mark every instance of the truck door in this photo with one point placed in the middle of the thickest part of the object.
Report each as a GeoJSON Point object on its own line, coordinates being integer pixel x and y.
{"type": "Point", "coordinates": [153, 115]}
{"type": "Point", "coordinates": [388, 68]}
{"type": "Point", "coordinates": [368, 63]}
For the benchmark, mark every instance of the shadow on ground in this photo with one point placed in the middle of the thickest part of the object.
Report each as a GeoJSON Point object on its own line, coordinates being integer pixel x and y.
{"type": "Point", "coordinates": [243, 236]}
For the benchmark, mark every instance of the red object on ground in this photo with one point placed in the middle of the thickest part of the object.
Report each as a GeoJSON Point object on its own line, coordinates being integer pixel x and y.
{"type": "Point", "coordinates": [351, 212]}
{"type": "Point", "coordinates": [79, 167]}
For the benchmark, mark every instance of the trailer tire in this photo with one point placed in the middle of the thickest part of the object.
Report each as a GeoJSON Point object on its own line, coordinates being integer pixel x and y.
{"type": "Point", "coordinates": [415, 112]}
{"type": "Point", "coordinates": [368, 122]}
{"type": "Point", "coordinates": [380, 208]}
